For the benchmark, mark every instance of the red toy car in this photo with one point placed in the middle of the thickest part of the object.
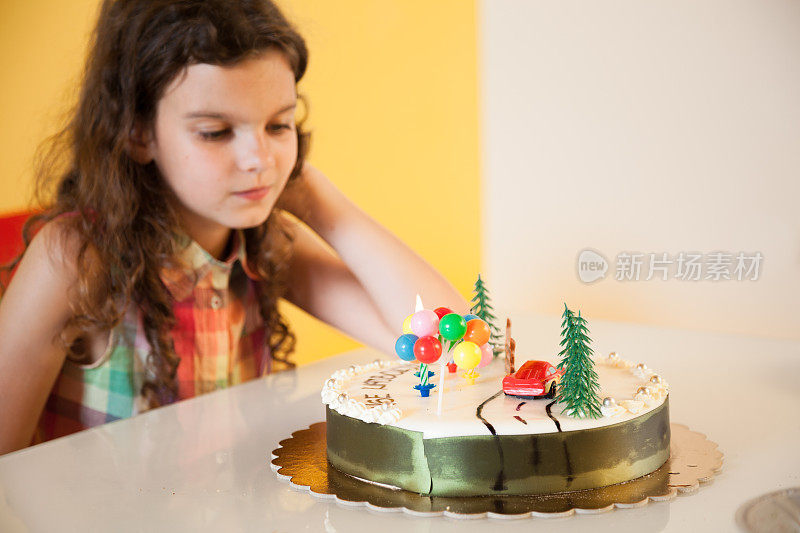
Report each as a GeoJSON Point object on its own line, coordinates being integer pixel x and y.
{"type": "Point", "coordinates": [534, 379]}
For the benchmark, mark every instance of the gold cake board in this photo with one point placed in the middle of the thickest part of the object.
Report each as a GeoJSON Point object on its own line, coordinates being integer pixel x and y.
{"type": "Point", "coordinates": [302, 460]}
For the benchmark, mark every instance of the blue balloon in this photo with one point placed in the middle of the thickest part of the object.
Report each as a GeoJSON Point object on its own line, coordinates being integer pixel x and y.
{"type": "Point", "coordinates": [405, 346]}
{"type": "Point", "coordinates": [467, 318]}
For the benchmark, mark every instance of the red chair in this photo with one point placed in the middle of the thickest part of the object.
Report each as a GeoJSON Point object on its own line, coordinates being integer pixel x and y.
{"type": "Point", "coordinates": [11, 243]}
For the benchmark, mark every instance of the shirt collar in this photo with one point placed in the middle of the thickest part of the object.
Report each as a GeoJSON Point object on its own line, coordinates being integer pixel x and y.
{"type": "Point", "coordinates": [193, 264]}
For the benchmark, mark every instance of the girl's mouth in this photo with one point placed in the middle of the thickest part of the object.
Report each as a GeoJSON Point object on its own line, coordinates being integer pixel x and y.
{"type": "Point", "coordinates": [253, 194]}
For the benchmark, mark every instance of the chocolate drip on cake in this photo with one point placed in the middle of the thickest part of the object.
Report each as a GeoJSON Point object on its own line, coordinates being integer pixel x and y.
{"type": "Point", "coordinates": [500, 482]}
{"type": "Point", "coordinates": [568, 462]}
{"type": "Point", "coordinates": [570, 473]}
{"type": "Point", "coordinates": [549, 405]}
{"type": "Point", "coordinates": [478, 411]}
{"type": "Point", "coordinates": [499, 505]}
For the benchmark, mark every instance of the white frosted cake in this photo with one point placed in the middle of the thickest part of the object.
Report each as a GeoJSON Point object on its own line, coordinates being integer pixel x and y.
{"type": "Point", "coordinates": [484, 442]}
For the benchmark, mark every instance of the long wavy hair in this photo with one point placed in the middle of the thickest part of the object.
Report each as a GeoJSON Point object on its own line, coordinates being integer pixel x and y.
{"type": "Point", "coordinates": [121, 218]}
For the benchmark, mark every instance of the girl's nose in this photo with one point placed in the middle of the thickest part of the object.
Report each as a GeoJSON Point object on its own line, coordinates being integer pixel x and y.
{"type": "Point", "coordinates": [258, 153]}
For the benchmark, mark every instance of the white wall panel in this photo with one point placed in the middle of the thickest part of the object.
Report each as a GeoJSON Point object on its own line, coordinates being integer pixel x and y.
{"type": "Point", "coordinates": [629, 126]}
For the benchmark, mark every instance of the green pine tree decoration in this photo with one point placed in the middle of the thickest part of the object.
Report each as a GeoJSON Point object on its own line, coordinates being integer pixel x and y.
{"type": "Point", "coordinates": [482, 308]}
{"type": "Point", "coordinates": [579, 386]}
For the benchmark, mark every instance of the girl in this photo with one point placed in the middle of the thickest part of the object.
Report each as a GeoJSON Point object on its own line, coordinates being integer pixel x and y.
{"type": "Point", "coordinates": [183, 210]}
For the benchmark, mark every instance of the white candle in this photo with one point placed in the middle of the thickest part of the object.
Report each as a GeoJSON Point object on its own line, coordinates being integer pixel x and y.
{"type": "Point", "coordinates": [445, 357]}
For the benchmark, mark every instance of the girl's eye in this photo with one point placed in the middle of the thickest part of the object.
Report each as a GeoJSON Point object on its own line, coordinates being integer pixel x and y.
{"type": "Point", "coordinates": [214, 135]}
{"type": "Point", "coordinates": [218, 135]}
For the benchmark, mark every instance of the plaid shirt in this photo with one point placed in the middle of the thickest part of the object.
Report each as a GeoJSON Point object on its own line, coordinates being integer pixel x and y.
{"type": "Point", "coordinates": [219, 337]}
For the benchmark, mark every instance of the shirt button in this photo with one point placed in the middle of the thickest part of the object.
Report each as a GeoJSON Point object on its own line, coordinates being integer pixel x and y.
{"type": "Point", "coordinates": [216, 302]}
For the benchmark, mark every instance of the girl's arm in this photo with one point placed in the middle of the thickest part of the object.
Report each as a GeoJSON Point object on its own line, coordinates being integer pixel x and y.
{"type": "Point", "coordinates": [33, 312]}
{"type": "Point", "coordinates": [355, 274]}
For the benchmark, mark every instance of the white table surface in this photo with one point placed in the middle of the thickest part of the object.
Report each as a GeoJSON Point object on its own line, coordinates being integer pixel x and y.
{"type": "Point", "coordinates": [202, 464]}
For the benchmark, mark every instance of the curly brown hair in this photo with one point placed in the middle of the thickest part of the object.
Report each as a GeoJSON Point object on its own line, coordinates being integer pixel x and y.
{"type": "Point", "coordinates": [122, 220]}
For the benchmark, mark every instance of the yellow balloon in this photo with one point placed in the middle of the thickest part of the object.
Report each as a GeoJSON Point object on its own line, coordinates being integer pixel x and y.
{"type": "Point", "coordinates": [407, 324]}
{"type": "Point", "coordinates": [467, 355]}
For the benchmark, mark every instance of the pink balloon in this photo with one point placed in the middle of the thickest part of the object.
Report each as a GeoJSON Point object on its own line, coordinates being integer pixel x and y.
{"type": "Point", "coordinates": [424, 323]}
{"type": "Point", "coordinates": [486, 355]}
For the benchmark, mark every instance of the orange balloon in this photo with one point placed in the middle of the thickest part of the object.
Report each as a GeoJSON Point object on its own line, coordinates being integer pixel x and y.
{"type": "Point", "coordinates": [477, 332]}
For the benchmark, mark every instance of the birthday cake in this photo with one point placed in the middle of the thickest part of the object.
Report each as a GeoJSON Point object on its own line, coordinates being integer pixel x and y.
{"type": "Point", "coordinates": [482, 441]}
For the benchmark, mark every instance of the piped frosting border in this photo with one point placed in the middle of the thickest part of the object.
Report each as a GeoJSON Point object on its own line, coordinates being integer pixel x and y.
{"type": "Point", "coordinates": [335, 397]}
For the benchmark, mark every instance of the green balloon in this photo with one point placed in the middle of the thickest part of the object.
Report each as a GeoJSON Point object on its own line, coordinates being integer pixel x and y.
{"type": "Point", "coordinates": [452, 326]}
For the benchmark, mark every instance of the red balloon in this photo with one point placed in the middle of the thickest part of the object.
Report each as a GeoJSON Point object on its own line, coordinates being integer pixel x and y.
{"type": "Point", "coordinates": [477, 332]}
{"type": "Point", "coordinates": [427, 349]}
{"type": "Point", "coordinates": [441, 311]}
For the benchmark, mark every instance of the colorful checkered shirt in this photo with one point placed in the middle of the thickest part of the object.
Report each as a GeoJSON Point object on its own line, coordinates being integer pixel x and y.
{"type": "Point", "coordinates": [219, 337]}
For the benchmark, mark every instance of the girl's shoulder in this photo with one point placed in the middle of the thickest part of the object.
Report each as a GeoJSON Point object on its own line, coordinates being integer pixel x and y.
{"type": "Point", "coordinates": [54, 251]}
{"type": "Point", "coordinates": [52, 267]}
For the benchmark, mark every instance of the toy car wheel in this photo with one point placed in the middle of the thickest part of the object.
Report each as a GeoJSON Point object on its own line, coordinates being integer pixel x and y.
{"type": "Point", "coordinates": [552, 392]}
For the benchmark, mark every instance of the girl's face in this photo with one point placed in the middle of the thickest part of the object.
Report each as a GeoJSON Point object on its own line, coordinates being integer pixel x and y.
{"type": "Point", "coordinates": [225, 142]}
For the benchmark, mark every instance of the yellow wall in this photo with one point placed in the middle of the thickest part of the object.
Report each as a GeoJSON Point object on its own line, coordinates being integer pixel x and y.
{"type": "Point", "coordinates": [41, 50]}
{"type": "Point", "coordinates": [392, 87]}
